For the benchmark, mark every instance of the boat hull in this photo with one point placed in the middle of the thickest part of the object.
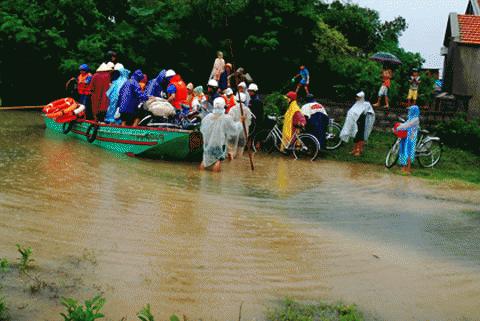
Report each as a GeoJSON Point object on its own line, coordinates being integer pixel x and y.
{"type": "Point", "coordinates": [158, 143]}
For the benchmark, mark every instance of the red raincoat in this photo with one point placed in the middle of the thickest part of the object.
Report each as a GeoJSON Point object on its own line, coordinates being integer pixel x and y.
{"type": "Point", "coordinates": [100, 84]}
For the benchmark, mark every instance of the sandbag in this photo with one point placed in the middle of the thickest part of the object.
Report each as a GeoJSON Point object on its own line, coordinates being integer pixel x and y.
{"type": "Point", "coordinates": [160, 107]}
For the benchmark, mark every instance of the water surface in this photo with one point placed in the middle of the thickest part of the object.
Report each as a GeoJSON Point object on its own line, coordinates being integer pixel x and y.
{"type": "Point", "coordinates": [199, 244]}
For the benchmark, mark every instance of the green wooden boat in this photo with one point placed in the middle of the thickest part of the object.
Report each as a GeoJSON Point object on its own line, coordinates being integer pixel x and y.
{"type": "Point", "coordinates": [158, 143]}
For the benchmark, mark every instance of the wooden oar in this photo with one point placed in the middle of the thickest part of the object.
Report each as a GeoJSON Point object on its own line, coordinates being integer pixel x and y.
{"type": "Point", "coordinates": [21, 107]}
{"type": "Point", "coordinates": [250, 156]}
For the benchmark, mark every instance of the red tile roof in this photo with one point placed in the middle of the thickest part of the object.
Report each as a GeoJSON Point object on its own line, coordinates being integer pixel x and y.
{"type": "Point", "coordinates": [469, 29]}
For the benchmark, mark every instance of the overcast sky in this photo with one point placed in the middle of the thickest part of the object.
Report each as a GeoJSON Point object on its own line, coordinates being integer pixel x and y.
{"type": "Point", "coordinates": [427, 21]}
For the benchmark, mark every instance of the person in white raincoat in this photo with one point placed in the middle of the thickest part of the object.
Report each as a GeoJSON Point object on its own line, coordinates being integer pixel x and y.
{"type": "Point", "coordinates": [237, 143]}
{"type": "Point", "coordinates": [358, 124]}
{"type": "Point", "coordinates": [216, 128]}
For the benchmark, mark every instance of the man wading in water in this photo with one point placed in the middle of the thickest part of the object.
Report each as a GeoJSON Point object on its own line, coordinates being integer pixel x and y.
{"type": "Point", "coordinates": [216, 128]}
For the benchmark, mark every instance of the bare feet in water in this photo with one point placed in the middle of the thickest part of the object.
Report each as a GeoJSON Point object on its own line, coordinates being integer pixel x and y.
{"type": "Point", "coordinates": [217, 167]}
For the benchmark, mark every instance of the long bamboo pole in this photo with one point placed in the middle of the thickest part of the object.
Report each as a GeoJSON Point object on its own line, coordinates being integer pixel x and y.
{"type": "Point", "coordinates": [250, 156]}
{"type": "Point", "coordinates": [21, 107]}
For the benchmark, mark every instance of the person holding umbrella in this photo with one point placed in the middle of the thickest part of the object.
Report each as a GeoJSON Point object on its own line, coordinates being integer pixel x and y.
{"type": "Point", "coordinates": [388, 60]}
{"type": "Point", "coordinates": [386, 83]}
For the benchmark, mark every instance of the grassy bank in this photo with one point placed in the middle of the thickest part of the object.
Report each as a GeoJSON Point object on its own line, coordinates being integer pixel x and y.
{"type": "Point", "coordinates": [455, 164]}
{"type": "Point", "coordinates": [25, 276]}
{"type": "Point", "coordinates": [291, 310]}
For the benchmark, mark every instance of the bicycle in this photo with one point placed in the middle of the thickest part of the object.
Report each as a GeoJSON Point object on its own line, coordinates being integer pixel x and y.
{"type": "Point", "coordinates": [302, 145]}
{"type": "Point", "coordinates": [333, 140]}
{"type": "Point", "coordinates": [428, 150]}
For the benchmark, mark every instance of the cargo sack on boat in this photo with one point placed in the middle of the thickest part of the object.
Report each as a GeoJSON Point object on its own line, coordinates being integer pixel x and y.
{"type": "Point", "coordinates": [160, 107]}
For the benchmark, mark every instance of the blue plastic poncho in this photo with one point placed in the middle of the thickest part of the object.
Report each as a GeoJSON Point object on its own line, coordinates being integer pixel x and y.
{"type": "Point", "coordinates": [154, 86]}
{"type": "Point", "coordinates": [113, 93]}
{"type": "Point", "coordinates": [408, 145]}
{"type": "Point", "coordinates": [131, 94]}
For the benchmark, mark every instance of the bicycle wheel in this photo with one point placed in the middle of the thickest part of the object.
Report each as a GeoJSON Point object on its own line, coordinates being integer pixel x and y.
{"type": "Point", "coordinates": [333, 140]}
{"type": "Point", "coordinates": [392, 155]}
{"type": "Point", "coordinates": [306, 147]}
{"type": "Point", "coordinates": [429, 153]}
{"type": "Point", "coordinates": [263, 141]}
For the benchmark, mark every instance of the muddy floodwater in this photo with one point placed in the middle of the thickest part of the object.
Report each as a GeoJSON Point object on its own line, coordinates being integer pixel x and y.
{"type": "Point", "coordinates": [197, 243]}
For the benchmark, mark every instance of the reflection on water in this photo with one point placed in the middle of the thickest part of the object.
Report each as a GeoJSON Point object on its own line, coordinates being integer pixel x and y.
{"type": "Point", "coordinates": [201, 243]}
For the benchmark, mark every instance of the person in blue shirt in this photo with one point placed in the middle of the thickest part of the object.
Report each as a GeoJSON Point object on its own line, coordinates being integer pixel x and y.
{"type": "Point", "coordinates": [304, 79]}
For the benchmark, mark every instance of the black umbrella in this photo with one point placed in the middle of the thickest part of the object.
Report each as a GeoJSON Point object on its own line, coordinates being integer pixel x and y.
{"type": "Point", "coordinates": [386, 58]}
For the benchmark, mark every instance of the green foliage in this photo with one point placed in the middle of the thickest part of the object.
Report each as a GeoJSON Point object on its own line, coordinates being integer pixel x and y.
{"type": "Point", "coordinates": [425, 97]}
{"type": "Point", "coordinates": [361, 26]}
{"type": "Point", "coordinates": [4, 265]}
{"type": "Point", "coordinates": [269, 38]}
{"type": "Point", "coordinates": [4, 315]}
{"type": "Point", "coordinates": [461, 133]}
{"type": "Point", "coordinates": [78, 312]}
{"type": "Point", "coordinates": [145, 314]}
{"type": "Point", "coordinates": [329, 43]}
{"type": "Point", "coordinates": [275, 104]}
{"type": "Point", "coordinates": [353, 74]}
{"type": "Point", "coordinates": [174, 318]}
{"type": "Point", "coordinates": [294, 311]}
{"type": "Point", "coordinates": [25, 257]}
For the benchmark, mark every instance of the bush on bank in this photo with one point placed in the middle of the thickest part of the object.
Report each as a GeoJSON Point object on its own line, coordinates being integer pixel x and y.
{"type": "Point", "coordinates": [3, 310]}
{"type": "Point", "coordinates": [294, 311]}
{"type": "Point", "coordinates": [461, 133]}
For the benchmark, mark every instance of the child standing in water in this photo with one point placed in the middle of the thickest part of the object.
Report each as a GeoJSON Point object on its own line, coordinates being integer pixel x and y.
{"type": "Point", "coordinates": [408, 144]}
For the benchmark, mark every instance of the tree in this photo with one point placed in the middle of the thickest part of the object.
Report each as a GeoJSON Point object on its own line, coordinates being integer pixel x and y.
{"type": "Point", "coordinates": [44, 42]}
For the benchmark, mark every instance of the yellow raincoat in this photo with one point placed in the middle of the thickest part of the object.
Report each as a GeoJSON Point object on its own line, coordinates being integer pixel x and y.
{"type": "Point", "coordinates": [287, 130]}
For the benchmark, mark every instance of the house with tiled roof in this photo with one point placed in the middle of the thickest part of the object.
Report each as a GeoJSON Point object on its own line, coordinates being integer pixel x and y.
{"type": "Point", "coordinates": [473, 7]}
{"type": "Point", "coordinates": [461, 49]}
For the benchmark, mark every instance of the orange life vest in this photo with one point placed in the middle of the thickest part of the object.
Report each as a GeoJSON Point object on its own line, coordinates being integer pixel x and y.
{"type": "Point", "coordinates": [83, 87]}
{"type": "Point", "coordinates": [181, 92]}
{"type": "Point", "coordinates": [230, 102]}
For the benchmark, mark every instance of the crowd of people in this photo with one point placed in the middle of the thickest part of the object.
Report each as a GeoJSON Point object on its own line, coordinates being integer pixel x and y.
{"type": "Point", "coordinates": [113, 95]}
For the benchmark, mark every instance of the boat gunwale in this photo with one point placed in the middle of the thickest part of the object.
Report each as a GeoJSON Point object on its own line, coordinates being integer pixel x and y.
{"type": "Point", "coordinates": [162, 129]}
{"type": "Point", "coordinates": [118, 141]}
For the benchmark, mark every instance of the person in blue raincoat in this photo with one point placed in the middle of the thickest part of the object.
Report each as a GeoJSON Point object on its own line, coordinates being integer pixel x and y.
{"type": "Point", "coordinates": [113, 94]}
{"type": "Point", "coordinates": [131, 96]}
{"type": "Point", "coordinates": [408, 144]}
{"type": "Point", "coordinates": [157, 85]}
